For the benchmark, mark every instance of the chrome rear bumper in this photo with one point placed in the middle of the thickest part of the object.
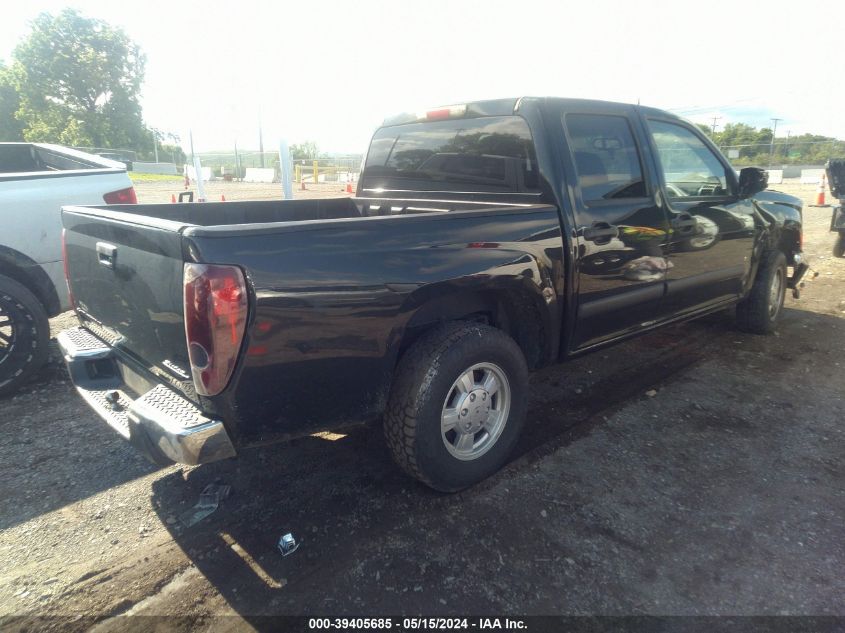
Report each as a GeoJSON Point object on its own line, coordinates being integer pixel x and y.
{"type": "Point", "coordinates": [162, 424]}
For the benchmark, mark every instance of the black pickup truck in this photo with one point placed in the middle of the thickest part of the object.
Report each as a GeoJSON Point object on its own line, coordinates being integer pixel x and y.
{"type": "Point", "coordinates": [485, 240]}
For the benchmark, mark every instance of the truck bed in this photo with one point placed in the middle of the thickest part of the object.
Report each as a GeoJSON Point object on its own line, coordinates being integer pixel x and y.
{"type": "Point", "coordinates": [265, 212]}
{"type": "Point", "coordinates": [332, 285]}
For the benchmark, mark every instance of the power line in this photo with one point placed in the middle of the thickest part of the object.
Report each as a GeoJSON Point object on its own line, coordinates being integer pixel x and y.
{"type": "Point", "coordinates": [699, 109]}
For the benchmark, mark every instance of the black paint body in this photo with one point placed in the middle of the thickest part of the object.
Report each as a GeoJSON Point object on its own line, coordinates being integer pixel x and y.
{"type": "Point", "coordinates": [340, 288]}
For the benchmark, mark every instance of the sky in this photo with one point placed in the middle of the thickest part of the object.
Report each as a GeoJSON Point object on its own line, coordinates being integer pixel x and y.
{"type": "Point", "coordinates": [332, 71]}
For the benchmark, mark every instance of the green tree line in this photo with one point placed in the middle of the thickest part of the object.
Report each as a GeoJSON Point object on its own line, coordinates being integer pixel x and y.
{"type": "Point", "coordinates": [755, 146]}
{"type": "Point", "coordinates": [76, 81]}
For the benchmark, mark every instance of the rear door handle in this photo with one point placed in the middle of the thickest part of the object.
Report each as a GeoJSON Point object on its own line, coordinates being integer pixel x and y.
{"type": "Point", "coordinates": [106, 254]}
{"type": "Point", "coordinates": [600, 231]}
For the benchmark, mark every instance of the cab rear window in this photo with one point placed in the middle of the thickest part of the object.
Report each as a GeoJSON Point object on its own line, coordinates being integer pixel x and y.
{"type": "Point", "coordinates": [488, 154]}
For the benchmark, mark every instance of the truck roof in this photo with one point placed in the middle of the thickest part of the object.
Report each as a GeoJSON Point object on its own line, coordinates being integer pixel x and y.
{"type": "Point", "coordinates": [511, 105]}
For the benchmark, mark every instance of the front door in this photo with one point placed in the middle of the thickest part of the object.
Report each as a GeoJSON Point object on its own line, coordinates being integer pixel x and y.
{"type": "Point", "coordinates": [712, 229]}
{"type": "Point", "coordinates": [621, 231]}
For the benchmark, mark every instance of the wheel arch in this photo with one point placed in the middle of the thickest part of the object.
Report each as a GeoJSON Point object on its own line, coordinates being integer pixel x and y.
{"type": "Point", "coordinates": [789, 241]}
{"type": "Point", "coordinates": [31, 275]}
{"type": "Point", "coordinates": [518, 309]}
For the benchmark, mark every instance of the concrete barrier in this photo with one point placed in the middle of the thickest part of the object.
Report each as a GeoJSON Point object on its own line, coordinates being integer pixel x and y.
{"type": "Point", "coordinates": [260, 174]}
{"type": "Point", "coordinates": [811, 176]}
{"type": "Point", "coordinates": [775, 176]}
{"type": "Point", "coordinates": [192, 173]}
{"type": "Point", "coordinates": [154, 168]}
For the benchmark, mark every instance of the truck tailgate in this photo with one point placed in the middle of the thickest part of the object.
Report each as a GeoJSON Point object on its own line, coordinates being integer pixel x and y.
{"type": "Point", "coordinates": [125, 275]}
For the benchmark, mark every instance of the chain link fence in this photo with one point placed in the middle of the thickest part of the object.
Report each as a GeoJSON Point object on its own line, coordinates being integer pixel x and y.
{"type": "Point", "coordinates": [783, 153]}
{"type": "Point", "coordinates": [234, 166]}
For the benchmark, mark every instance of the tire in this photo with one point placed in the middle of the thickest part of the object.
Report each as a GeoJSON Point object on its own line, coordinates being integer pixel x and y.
{"type": "Point", "coordinates": [759, 311]}
{"type": "Point", "coordinates": [424, 390]}
{"type": "Point", "coordinates": [839, 246]}
{"type": "Point", "coordinates": [24, 335]}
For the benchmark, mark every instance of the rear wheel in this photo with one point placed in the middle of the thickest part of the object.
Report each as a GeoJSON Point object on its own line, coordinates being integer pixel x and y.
{"type": "Point", "coordinates": [839, 246]}
{"type": "Point", "coordinates": [457, 405]}
{"type": "Point", "coordinates": [24, 335]}
{"type": "Point", "coordinates": [759, 311]}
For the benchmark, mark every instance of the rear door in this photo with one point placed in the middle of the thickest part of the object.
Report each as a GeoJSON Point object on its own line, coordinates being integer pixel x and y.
{"type": "Point", "coordinates": [620, 230]}
{"type": "Point", "coordinates": [712, 229]}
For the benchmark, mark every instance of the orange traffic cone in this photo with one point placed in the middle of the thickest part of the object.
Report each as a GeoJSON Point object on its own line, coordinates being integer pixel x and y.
{"type": "Point", "coordinates": [349, 188]}
{"type": "Point", "coordinates": [222, 198]}
{"type": "Point", "coordinates": [172, 198]}
{"type": "Point", "coordinates": [820, 193]}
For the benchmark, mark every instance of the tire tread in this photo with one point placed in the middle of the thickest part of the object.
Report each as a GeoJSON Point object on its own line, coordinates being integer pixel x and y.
{"type": "Point", "coordinates": [400, 422]}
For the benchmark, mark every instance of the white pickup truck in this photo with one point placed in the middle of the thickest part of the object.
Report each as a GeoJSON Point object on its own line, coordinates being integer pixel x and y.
{"type": "Point", "coordinates": [35, 181]}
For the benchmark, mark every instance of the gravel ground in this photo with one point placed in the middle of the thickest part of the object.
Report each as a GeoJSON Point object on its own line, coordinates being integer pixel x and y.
{"type": "Point", "coordinates": [693, 471]}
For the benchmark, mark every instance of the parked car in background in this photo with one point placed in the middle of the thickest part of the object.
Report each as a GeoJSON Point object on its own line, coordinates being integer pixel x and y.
{"type": "Point", "coordinates": [836, 177]}
{"type": "Point", "coordinates": [35, 181]}
{"type": "Point", "coordinates": [485, 240]}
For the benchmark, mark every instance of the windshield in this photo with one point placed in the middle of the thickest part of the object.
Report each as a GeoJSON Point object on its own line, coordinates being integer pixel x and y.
{"type": "Point", "coordinates": [489, 154]}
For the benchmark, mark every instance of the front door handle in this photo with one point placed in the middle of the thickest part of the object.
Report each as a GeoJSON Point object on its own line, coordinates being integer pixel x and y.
{"type": "Point", "coordinates": [600, 231]}
{"type": "Point", "coordinates": [684, 223]}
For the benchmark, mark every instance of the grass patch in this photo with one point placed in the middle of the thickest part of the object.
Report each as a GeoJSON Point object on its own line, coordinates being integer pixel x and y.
{"type": "Point", "coordinates": [136, 177]}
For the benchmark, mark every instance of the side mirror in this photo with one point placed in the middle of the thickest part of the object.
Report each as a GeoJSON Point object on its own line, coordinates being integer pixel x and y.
{"type": "Point", "coordinates": [752, 180]}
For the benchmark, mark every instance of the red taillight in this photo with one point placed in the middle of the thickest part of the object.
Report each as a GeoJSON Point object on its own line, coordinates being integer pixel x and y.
{"type": "Point", "coordinates": [215, 321]}
{"type": "Point", "coordinates": [122, 196]}
{"type": "Point", "coordinates": [443, 113]}
{"type": "Point", "coordinates": [67, 276]}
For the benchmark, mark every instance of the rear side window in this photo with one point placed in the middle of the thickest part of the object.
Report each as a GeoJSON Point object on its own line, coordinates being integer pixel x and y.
{"type": "Point", "coordinates": [488, 154]}
{"type": "Point", "coordinates": [59, 162]}
{"type": "Point", "coordinates": [18, 158]}
{"type": "Point", "coordinates": [606, 157]}
{"type": "Point", "coordinates": [25, 158]}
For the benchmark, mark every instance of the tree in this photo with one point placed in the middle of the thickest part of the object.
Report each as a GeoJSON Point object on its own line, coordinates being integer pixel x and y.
{"type": "Point", "coordinates": [10, 128]}
{"type": "Point", "coordinates": [308, 149]}
{"type": "Point", "coordinates": [170, 151]}
{"type": "Point", "coordinates": [78, 81]}
{"type": "Point", "coordinates": [166, 152]}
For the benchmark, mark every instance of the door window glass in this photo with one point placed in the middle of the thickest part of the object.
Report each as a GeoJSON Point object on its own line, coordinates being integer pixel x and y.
{"type": "Point", "coordinates": [690, 168]}
{"type": "Point", "coordinates": [606, 157]}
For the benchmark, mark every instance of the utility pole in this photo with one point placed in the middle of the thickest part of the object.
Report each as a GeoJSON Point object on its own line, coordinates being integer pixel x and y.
{"type": "Point", "coordinates": [237, 163]}
{"type": "Point", "coordinates": [713, 128]}
{"type": "Point", "coordinates": [774, 131]}
{"type": "Point", "coordinates": [197, 170]}
{"type": "Point", "coordinates": [260, 139]}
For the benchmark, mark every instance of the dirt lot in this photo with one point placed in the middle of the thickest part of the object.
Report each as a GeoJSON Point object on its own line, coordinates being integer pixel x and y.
{"type": "Point", "coordinates": [724, 493]}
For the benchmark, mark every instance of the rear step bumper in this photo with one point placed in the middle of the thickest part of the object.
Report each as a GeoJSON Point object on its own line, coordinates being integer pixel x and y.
{"type": "Point", "coordinates": [160, 423]}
